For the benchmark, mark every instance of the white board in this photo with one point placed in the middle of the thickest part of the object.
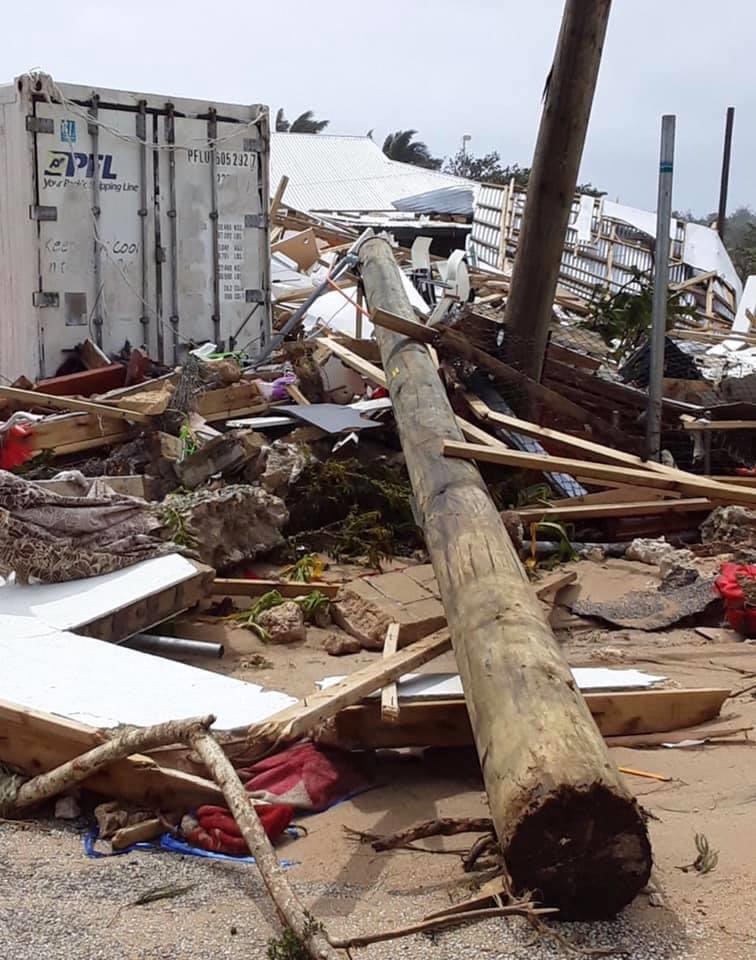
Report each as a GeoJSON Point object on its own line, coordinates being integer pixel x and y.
{"type": "Point", "coordinates": [106, 685]}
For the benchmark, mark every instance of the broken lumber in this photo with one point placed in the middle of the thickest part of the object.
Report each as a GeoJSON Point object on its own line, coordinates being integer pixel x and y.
{"type": "Point", "coordinates": [390, 693]}
{"type": "Point", "coordinates": [46, 401]}
{"type": "Point", "coordinates": [689, 484]}
{"type": "Point", "coordinates": [542, 758]}
{"type": "Point", "coordinates": [446, 723]}
{"type": "Point", "coordinates": [591, 511]}
{"type": "Point", "coordinates": [256, 588]}
{"type": "Point", "coordinates": [120, 745]}
{"type": "Point", "coordinates": [34, 742]}
{"type": "Point", "coordinates": [302, 717]}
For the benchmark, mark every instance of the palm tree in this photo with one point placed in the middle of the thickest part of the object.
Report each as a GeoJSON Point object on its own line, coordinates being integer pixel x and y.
{"type": "Point", "coordinates": [305, 123]}
{"type": "Point", "coordinates": [401, 146]}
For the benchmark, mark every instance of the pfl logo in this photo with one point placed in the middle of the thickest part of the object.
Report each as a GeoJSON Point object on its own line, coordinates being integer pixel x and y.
{"type": "Point", "coordinates": [65, 163]}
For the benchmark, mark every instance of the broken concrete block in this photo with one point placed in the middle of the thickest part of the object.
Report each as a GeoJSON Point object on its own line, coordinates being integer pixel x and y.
{"type": "Point", "coordinates": [733, 525]}
{"type": "Point", "coordinates": [651, 552]}
{"type": "Point", "coordinates": [338, 645]}
{"type": "Point", "coordinates": [368, 605]}
{"type": "Point", "coordinates": [225, 526]}
{"type": "Point", "coordinates": [283, 467]}
{"type": "Point", "coordinates": [284, 623]}
{"type": "Point", "coordinates": [225, 454]}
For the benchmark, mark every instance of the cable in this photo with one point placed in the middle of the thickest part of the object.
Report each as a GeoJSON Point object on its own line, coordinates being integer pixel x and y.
{"type": "Point", "coordinates": [45, 80]}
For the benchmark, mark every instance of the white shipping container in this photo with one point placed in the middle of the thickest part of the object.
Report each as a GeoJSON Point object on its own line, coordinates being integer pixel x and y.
{"type": "Point", "coordinates": [129, 217]}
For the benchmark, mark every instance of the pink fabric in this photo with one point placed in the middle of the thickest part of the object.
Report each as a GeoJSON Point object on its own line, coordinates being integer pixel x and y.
{"type": "Point", "coordinates": [305, 776]}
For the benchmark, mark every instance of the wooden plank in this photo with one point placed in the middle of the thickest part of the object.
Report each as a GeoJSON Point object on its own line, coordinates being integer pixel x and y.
{"type": "Point", "coordinates": [302, 248]}
{"type": "Point", "coordinates": [390, 694]}
{"type": "Point", "coordinates": [297, 396]}
{"type": "Point", "coordinates": [555, 583]}
{"type": "Point", "coordinates": [593, 450]}
{"type": "Point", "coordinates": [148, 612]}
{"type": "Point", "coordinates": [555, 351]}
{"type": "Point", "coordinates": [239, 399]}
{"type": "Point", "coordinates": [275, 202]}
{"type": "Point", "coordinates": [256, 588]}
{"type": "Point", "coordinates": [366, 369]}
{"type": "Point", "coordinates": [302, 717]}
{"type": "Point", "coordinates": [373, 373]}
{"type": "Point", "coordinates": [35, 742]}
{"type": "Point", "coordinates": [678, 480]}
{"type": "Point", "coordinates": [44, 401]}
{"type": "Point", "coordinates": [445, 723]}
{"type": "Point", "coordinates": [644, 508]}
{"type": "Point", "coordinates": [71, 434]}
{"type": "Point", "coordinates": [456, 342]}
{"type": "Point", "coordinates": [719, 425]}
{"type": "Point", "coordinates": [618, 493]}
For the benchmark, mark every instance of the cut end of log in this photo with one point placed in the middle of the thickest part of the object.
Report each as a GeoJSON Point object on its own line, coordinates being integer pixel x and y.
{"type": "Point", "coordinates": [585, 852]}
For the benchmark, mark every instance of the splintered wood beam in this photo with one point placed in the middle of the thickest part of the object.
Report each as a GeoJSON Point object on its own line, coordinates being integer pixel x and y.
{"type": "Point", "coordinates": [389, 694]}
{"type": "Point", "coordinates": [446, 723]}
{"type": "Point", "coordinates": [222, 586]}
{"type": "Point", "coordinates": [590, 449]}
{"type": "Point", "coordinates": [645, 508]}
{"type": "Point", "coordinates": [302, 717]}
{"type": "Point", "coordinates": [678, 480]}
{"type": "Point", "coordinates": [45, 401]}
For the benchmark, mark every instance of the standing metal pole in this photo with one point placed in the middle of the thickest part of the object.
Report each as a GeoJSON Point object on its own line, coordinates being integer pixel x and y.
{"type": "Point", "coordinates": [661, 286]}
{"type": "Point", "coordinates": [725, 182]}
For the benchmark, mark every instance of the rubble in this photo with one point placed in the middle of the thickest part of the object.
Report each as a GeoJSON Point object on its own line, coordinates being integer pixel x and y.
{"type": "Point", "coordinates": [384, 425]}
{"type": "Point", "coordinates": [226, 526]}
{"type": "Point", "coordinates": [283, 624]}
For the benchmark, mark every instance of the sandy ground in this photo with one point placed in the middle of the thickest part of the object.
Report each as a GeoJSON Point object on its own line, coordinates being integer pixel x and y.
{"type": "Point", "coordinates": [54, 901]}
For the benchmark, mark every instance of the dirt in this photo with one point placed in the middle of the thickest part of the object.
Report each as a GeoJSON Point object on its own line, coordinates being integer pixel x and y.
{"type": "Point", "coordinates": [55, 901]}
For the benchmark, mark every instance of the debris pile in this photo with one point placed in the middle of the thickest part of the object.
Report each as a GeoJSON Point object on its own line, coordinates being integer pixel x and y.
{"type": "Point", "coordinates": [379, 482]}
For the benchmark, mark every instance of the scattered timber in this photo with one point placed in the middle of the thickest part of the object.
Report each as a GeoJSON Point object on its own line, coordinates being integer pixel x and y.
{"type": "Point", "coordinates": [540, 752]}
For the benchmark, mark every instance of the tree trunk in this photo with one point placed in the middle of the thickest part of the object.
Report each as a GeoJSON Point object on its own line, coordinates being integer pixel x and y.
{"type": "Point", "coordinates": [553, 177]}
{"type": "Point", "coordinates": [123, 744]}
{"type": "Point", "coordinates": [291, 912]}
{"type": "Point", "coordinates": [567, 825]}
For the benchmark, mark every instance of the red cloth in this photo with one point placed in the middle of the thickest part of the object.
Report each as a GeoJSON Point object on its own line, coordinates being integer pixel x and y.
{"type": "Point", "coordinates": [306, 776]}
{"type": "Point", "coordinates": [213, 828]}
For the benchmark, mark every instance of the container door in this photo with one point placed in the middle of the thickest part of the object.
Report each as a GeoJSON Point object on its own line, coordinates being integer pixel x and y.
{"type": "Point", "coordinates": [95, 198]}
{"type": "Point", "coordinates": [214, 228]}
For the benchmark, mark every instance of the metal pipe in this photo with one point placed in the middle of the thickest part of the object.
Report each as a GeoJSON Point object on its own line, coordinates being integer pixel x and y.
{"type": "Point", "coordinates": [141, 132]}
{"type": "Point", "coordinates": [170, 136]}
{"type": "Point", "coordinates": [725, 181]}
{"type": "Point", "coordinates": [174, 646]}
{"type": "Point", "coordinates": [661, 286]}
{"type": "Point", "coordinates": [212, 136]}
{"type": "Point", "coordinates": [94, 132]}
{"type": "Point", "coordinates": [295, 319]}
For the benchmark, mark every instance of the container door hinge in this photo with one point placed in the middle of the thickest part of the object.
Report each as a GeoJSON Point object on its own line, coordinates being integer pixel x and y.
{"type": "Point", "coordinates": [42, 299]}
{"type": "Point", "coordinates": [160, 255]}
{"type": "Point", "coordinates": [40, 124]}
{"type": "Point", "coordinates": [256, 221]}
{"type": "Point", "coordinates": [252, 144]}
{"type": "Point", "coordinates": [39, 212]}
{"type": "Point", "coordinates": [254, 296]}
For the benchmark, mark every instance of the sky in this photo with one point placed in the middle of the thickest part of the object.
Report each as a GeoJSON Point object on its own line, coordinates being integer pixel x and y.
{"type": "Point", "coordinates": [444, 68]}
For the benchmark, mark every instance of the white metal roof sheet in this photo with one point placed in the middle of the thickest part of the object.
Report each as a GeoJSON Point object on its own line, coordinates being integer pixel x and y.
{"type": "Point", "coordinates": [348, 173]}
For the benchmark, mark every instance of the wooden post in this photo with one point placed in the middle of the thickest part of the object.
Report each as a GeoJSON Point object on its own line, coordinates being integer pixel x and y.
{"type": "Point", "coordinates": [567, 825]}
{"type": "Point", "coordinates": [553, 177]}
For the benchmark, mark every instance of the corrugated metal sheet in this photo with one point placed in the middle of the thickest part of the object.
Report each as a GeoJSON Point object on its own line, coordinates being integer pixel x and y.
{"type": "Point", "coordinates": [458, 200]}
{"type": "Point", "coordinates": [620, 239]}
{"type": "Point", "coordinates": [329, 173]}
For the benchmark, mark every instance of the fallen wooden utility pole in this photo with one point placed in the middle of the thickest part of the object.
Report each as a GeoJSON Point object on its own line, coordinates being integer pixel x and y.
{"type": "Point", "coordinates": [567, 825]}
{"type": "Point", "coordinates": [568, 98]}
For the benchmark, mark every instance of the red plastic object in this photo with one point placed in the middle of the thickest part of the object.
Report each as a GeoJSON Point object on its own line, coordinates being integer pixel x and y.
{"type": "Point", "coordinates": [740, 615]}
{"type": "Point", "coordinates": [15, 447]}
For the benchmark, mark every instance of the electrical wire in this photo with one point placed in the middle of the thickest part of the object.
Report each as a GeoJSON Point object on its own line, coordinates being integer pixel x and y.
{"type": "Point", "coordinates": [51, 92]}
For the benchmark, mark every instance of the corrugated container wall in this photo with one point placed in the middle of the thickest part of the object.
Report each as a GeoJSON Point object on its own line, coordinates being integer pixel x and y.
{"type": "Point", "coordinates": [129, 217]}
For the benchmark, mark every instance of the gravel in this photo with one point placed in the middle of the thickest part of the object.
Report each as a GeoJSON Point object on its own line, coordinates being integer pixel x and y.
{"type": "Point", "coordinates": [57, 903]}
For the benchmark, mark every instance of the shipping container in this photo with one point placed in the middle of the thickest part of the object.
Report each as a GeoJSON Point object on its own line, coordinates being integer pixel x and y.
{"type": "Point", "coordinates": [129, 218]}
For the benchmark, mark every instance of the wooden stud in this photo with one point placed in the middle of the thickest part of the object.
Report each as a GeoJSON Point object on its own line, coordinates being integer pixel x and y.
{"type": "Point", "coordinates": [389, 694]}
{"type": "Point", "coordinates": [45, 401]}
